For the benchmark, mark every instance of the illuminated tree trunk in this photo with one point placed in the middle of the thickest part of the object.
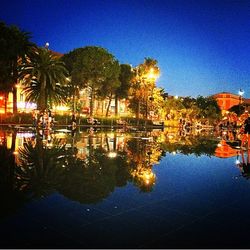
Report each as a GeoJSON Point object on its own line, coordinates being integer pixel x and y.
{"type": "Point", "coordinates": [91, 102]}
{"type": "Point", "coordinates": [5, 102]}
{"type": "Point", "coordinates": [42, 101]}
{"type": "Point", "coordinates": [107, 111]}
{"type": "Point", "coordinates": [14, 90]}
{"type": "Point", "coordinates": [138, 111]}
{"type": "Point", "coordinates": [116, 105]}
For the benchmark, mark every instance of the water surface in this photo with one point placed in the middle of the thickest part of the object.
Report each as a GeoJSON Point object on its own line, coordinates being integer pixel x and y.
{"type": "Point", "coordinates": [114, 189]}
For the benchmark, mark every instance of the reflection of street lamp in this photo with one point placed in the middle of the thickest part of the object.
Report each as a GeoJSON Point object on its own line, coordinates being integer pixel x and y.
{"type": "Point", "coordinates": [112, 154]}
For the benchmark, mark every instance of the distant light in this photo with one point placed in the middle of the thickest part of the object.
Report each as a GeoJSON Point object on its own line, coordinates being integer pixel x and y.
{"type": "Point", "coordinates": [237, 162]}
{"type": "Point", "coordinates": [62, 108]}
{"type": "Point", "coordinates": [112, 154]}
{"type": "Point", "coordinates": [241, 92]}
{"type": "Point", "coordinates": [46, 45]}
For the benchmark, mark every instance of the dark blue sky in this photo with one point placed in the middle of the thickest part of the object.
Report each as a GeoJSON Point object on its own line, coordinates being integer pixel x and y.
{"type": "Point", "coordinates": [202, 47]}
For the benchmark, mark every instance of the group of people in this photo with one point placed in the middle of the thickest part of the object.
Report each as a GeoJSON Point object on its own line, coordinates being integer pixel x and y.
{"type": "Point", "coordinates": [245, 132]}
{"type": "Point", "coordinates": [44, 119]}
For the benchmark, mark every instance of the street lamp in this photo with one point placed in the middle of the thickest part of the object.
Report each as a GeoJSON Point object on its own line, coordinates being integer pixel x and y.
{"type": "Point", "coordinates": [241, 93]}
{"type": "Point", "coordinates": [151, 77]}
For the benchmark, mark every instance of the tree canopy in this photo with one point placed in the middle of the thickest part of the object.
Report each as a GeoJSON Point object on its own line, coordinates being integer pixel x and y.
{"type": "Point", "coordinates": [44, 75]}
{"type": "Point", "coordinates": [15, 46]}
{"type": "Point", "coordinates": [93, 67]}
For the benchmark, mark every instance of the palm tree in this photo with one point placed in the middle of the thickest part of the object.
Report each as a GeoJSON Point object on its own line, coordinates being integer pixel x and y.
{"type": "Point", "coordinates": [15, 46]}
{"type": "Point", "coordinates": [143, 83]}
{"type": "Point", "coordinates": [44, 75]}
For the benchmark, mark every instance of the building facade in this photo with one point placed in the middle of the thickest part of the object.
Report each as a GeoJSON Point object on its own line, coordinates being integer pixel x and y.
{"type": "Point", "coordinates": [227, 100]}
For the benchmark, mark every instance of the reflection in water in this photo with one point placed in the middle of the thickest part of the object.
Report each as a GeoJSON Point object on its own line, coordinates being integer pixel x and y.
{"type": "Point", "coordinates": [243, 162]}
{"type": "Point", "coordinates": [87, 167]}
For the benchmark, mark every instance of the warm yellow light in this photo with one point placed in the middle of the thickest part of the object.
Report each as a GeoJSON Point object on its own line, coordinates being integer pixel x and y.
{"type": "Point", "coordinates": [241, 92]}
{"type": "Point", "coordinates": [112, 154]}
{"type": "Point", "coordinates": [62, 108]}
{"type": "Point", "coordinates": [151, 74]}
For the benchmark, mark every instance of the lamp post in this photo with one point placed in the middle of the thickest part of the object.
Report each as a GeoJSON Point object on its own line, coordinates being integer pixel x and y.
{"type": "Point", "coordinates": [151, 78]}
{"type": "Point", "coordinates": [241, 93]}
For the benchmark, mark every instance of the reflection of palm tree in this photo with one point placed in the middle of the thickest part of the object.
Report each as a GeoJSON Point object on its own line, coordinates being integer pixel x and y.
{"type": "Point", "coordinates": [40, 169]}
{"type": "Point", "coordinates": [10, 199]}
{"type": "Point", "coordinates": [197, 145]}
{"type": "Point", "coordinates": [144, 178]}
{"type": "Point", "coordinates": [141, 156]}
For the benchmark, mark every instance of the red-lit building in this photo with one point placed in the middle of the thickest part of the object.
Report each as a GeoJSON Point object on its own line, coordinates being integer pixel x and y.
{"type": "Point", "coordinates": [227, 100]}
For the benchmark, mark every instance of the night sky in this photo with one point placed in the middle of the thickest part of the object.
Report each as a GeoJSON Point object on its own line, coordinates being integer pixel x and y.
{"type": "Point", "coordinates": [202, 47]}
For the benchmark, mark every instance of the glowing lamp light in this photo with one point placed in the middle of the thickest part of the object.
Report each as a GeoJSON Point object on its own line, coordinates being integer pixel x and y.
{"type": "Point", "coordinates": [112, 154]}
{"type": "Point", "coordinates": [241, 92]}
{"type": "Point", "coordinates": [25, 135]}
{"type": "Point", "coordinates": [27, 105]}
{"type": "Point", "coordinates": [237, 162]}
{"type": "Point", "coordinates": [62, 108]}
{"type": "Point", "coordinates": [151, 74]}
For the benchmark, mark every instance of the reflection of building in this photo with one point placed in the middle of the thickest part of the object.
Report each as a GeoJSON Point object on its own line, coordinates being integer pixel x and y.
{"type": "Point", "coordinates": [109, 142]}
{"type": "Point", "coordinates": [227, 100]}
{"type": "Point", "coordinates": [223, 150]}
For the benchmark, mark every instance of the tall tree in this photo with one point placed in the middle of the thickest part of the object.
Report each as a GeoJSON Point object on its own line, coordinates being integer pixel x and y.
{"type": "Point", "coordinates": [92, 67]}
{"type": "Point", "coordinates": [208, 108]}
{"type": "Point", "coordinates": [125, 78]}
{"type": "Point", "coordinates": [142, 85]}
{"type": "Point", "coordinates": [45, 74]}
{"type": "Point", "coordinates": [15, 46]}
